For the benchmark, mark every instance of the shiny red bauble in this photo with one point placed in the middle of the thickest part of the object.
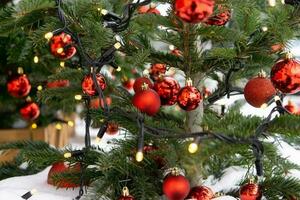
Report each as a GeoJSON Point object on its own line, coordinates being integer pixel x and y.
{"type": "Point", "coordinates": [250, 191]}
{"type": "Point", "coordinates": [201, 193]}
{"type": "Point", "coordinates": [176, 187]}
{"type": "Point", "coordinates": [88, 86]}
{"type": "Point", "coordinates": [18, 86]}
{"type": "Point", "coordinates": [30, 111]}
{"type": "Point", "coordinates": [58, 84]}
{"type": "Point", "coordinates": [140, 83]}
{"type": "Point", "coordinates": [220, 18]}
{"type": "Point", "coordinates": [189, 98]}
{"type": "Point", "coordinates": [112, 128]}
{"type": "Point", "coordinates": [292, 108]}
{"type": "Point", "coordinates": [128, 83]}
{"type": "Point", "coordinates": [285, 76]}
{"type": "Point", "coordinates": [167, 88]}
{"type": "Point", "coordinates": [194, 11]}
{"type": "Point", "coordinates": [147, 101]}
{"type": "Point", "coordinates": [62, 46]}
{"type": "Point", "coordinates": [60, 168]}
{"type": "Point", "coordinates": [157, 70]}
{"type": "Point", "coordinates": [259, 91]}
{"type": "Point", "coordinates": [125, 195]}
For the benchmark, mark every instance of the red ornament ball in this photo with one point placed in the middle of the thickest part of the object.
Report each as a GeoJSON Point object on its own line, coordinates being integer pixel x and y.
{"type": "Point", "coordinates": [59, 168]}
{"type": "Point", "coordinates": [125, 195]}
{"type": "Point", "coordinates": [220, 18]}
{"type": "Point", "coordinates": [147, 101]}
{"type": "Point", "coordinates": [189, 98]}
{"type": "Point", "coordinates": [157, 70]}
{"type": "Point", "coordinates": [250, 191]}
{"type": "Point", "coordinates": [140, 83]}
{"type": "Point", "coordinates": [194, 11]}
{"type": "Point", "coordinates": [259, 91]}
{"type": "Point", "coordinates": [58, 84]}
{"type": "Point", "coordinates": [18, 86]}
{"type": "Point", "coordinates": [128, 83]}
{"type": "Point", "coordinates": [285, 76]}
{"type": "Point", "coordinates": [112, 128]}
{"type": "Point", "coordinates": [167, 88]}
{"type": "Point", "coordinates": [89, 87]}
{"type": "Point", "coordinates": [30, 111]}
{"type": "Point", "coordinates": [176, 187]}
{"type": "Point", "coordinates": [201, 193]}
{"type": "Point", "coordinates": [61, 46]}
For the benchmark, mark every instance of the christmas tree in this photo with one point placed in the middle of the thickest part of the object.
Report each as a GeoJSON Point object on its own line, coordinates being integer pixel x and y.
{"type": "Point", "coordinates": [176, 134]}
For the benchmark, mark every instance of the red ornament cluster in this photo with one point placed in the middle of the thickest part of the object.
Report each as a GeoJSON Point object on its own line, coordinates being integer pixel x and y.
{"type": "Point", "coordinates": [89, 87]}
{"type": "Point", "coordinates": [201, 193]}
{"type": "Point", "coordinates": [30, 111]}
{"type": "Point", "coordinates": [221, 18]}
{"type": "Point", "coordinates": [168, 89]}
{"type": "Point", "coordinates": [176, 187]}
{"type": "Point", "coordinates": [18, 86]}
{"type": "Point", "coordinates": [250, 191]}
{"type": "Point", "coordinates": [62, 46]}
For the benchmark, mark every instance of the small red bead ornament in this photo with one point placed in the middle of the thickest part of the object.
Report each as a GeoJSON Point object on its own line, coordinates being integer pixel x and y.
{"type": "Point", "coordinates": [168, 89]}
{"type": "Point", "coordinates": [250, 191]}
{"type": "Point", "coordinates": [125, 195]}
{"type": "Point", "coordinates": [30, 111]}
{"type": "Point", "coordinates": [18, 86]}
{"type": "Point", "coordinates": [62, 46]}
{"type": "Point", "coordinates": [285, 75]}
{"type": "Point", "coordinates": [156, 70]}
{"type": "Point", "coordinates": [201, 193]}
{"type": "Point", "coordinates": [139, 82]}
{"type": "Point", "coordinates": [194, 11]}
{"type": "Point", "coordinates": [189, 97]}
{"type": "Point", "coordinates": [88, 86]}
{"type": "Point", "coordinates": [220, 18]}
{"type": "Point", "coordinates": [259, 91]}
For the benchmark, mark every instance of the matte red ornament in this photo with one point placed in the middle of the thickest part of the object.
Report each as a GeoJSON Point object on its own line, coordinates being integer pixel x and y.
{"type": "Point", "coordinates": [259, 91]}
{"type": "Point", "coordinates": [88, 86]}
{"type": "Point", "coordinates": [176, 187]}
{"type": "Point", "coordinates": [62, 46]}
{"type": "Point", "coordinates": [18, 86]}
{"type": "Point", "coordinates": [201, 193]}
{"type": "Point", "coordinates": [59, 168]}
{"type": "Point", "coordinates": [292, 108]}
{"type": "Point", "coordinates": [125, 195]}
{"type": "Point", "coordinates": [112, 128]}
{"type": "Point", "coordinates": [147, 101]}
{"type": "Point", "coordinates": [220, 18]}
{"type": "Point", "coordinates": [167, 88]}
{"type": "Point", "coordinates": [30, 111]}
{"type": "Point", "coordinates": [194, 11]}
{"type": "Point", "coordinates": [250, 191]}
{"type": "Point", "coordinates": [157, 70]}
{"type": "Point", "coordinates": [189, 97]}
{"type": "Point", "coordinates": [139, 82]}
{"type": "Point", "coordinates": [58, 84]}
{"type": "Point", "coordinates": [285, 76]}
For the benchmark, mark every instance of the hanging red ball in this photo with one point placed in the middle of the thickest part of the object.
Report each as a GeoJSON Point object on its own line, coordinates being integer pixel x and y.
{"type": "Point", "coordinates": [112, 128]}
{"type": "Point", "coordinates": [62, 46]}
{"type": "Point", "coordinates": [30, 111]}
{"type": "Point", "coordinates": [18, 86]}
{"type": "Point", "coordinates": [140, 82]}
{"type": "Point", "coordinates": [59, 168]}
{"type": "Point", "coordinates": [167, 88]}
{"type": "Point", "coordinates": [201, 193]}
{"type": "Point", "coordinates": [194, 11]}
{"type": "Point", "coordinates": [157, 70]}
{"type": "Point", "coordinates": [292, 108]}
{"type": "Point", "coordinates": [58, 84]}
{"type": "Point", "coordinates": [88, 86]}
{"type": "Point", "coordinates": [250, 191]}
{"type": "Point", "coordinates": [128, 83]}
{"type": "Point", "coordinates": [125, 195]}
{"type": "Point", "coordinates": [259, 91]}
{"type": "Point", "coordinates": [189, 98]}
{"type": "Point", "coordinates": [285, 76]}
{"type": "Point", "coordinates": [147, 101]}
{"type": "Point", "coordinates": [220, 18]}
{"type": "Point", "coordinates": [176, 187]}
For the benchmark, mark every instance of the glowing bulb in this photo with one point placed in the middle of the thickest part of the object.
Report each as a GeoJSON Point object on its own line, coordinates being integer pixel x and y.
{"type": "Point", "coordinates": [272, 3]}
{"type": "Point", "coordinates": [48, 35]}
{"type": "Point", "coordinates": [264, 106]}
{"type": "Point", "coordinates": [68, 155]}
{"type": "Point", "coordinates": [283, 1]}
{"type": "Point", "coordinates": [139, 156]}
{"type": "Point", "coordinates": [71, 123]}
{"type": "Point", "coordinates": [36, 59]}
{"type": "Point", "coordinates": [118, 69]}
{"type": "Point", "coordinates": [277, 98]}
{"type": "Point", "coordinates": [58, 126]}
{"type": "Point", "coordinates": [104, 12]}
{"type": "Point", "coordinates": [20, 70]}
{"type": "Point", "coordinates": [172, 47]}
{"type": "Point", "coordinates": [34, 126]}
{"type": "Point", "coordinates": [62, 64]}
{"type": "Point", "coordinates": [78, 97]}
{"type": "Point", "coordinates": [60, 50]}
{"type": "Point", "coordinates": [193, 147]}
{"type": "Point", "coordinates": [39, 88]}
{"type": "Point", "coordinates": [98, 140]}
{"type": "Point", "coordinates": [118, 45]}
{"type": "Point", "coordinates": [264, 28]}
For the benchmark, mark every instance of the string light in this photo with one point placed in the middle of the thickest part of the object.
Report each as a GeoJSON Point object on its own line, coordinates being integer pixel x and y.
{"type": "Point", "coordinates": [62, 64]}
{"type": "Point", "coordinates": [78, 97]}
{"type": "Point", "coordinates": [58, 126]}
{"type": "Point", "coordinates": [67, 155]}
{"type": "Point", "coordinates": [117, 45]}
{"type": "Point", "coordinates": [48, 35]}
{"type": "Point", "coordinates": [283, 1]}
{"type": "Point", "coordinates": [272, 3]}
{"type": "Point", "coordinates": [71, 123]}
{"type": "Point", "coordinates": [119, 69]}
{"type": "Point", "coordinates": [139, 156]}
{"type": "Point", "coordinates": [60, 50]}
{"type": "Point", "coordinates": [103, 11]}
{"type": "Point", "coordinates": [36, 59]}
{"type": "Point", "coordinates": [98, 140]}
{"type": "Point", "coordinates": [20, 70]}
{"type": "Point", "coordinates": [39, 88]}
{"type": "Point", "coordinates": [34, 126]}
{"type": "Point", "coordinates": [193, 147]}
{"type": "Point", "coordinates": [264, 28]}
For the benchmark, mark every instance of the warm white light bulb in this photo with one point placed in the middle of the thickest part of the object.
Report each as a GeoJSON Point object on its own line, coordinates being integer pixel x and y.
{"type": "Point", "coordinates": [272, 3]}
{"type": "Point", "coordinates": [78, 97]}
{"type": "Point", "coordinates": [139, 156]}
{"type": "Point", "coordinates": [58, 126]}
{"type": "Point", "coordinates": [119, 69]}
{"type": "Point", "coordinates": [48, 35]}
{"type": "Point", "coordinates": [71, 123]}
{"type": "Point", "coordinates": [36, 59]}
{"type": "Point", "coordinates": [264, 28]}
{"type": "Point", "coordinates": [193, 147]}
{"type": "Point", "coordinates": [39, 88]}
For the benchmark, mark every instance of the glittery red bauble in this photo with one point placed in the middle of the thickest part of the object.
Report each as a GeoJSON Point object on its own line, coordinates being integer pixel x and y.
{"type": "Point", "coordinates": [176, 187]}
{"type": "Point", "coordinates": [285, 76]}
{"type": "Point", "coordinates": [58, 84]}
{"type": "Point", "coordinates": [156, 70]}
{"type": "Point", "coordinates": [128, 197]}
{"type": "Point", "coordinates": [30, 111]}
{"type": "Point", "coordinates": [62, 46]}
{"type": "Point", "coordinates": [189, 98]}
{"type": "Point", "coordinates": [220, 18]}
{"type": "Point", "coordinates": [250, 191]}
{"type": "Point", "coordinates": [259, 91]}
{"type": "Point", "coordinates": [147, 101]}
{"type": "Point", "coordinates": [128, 83]}
{"type": "Point", "coordinates": [18, 86]}
{"type": "Point", "coordinates": [139, 82]}
{"type": "Point", "coordinates": [194, 11]}
{"type": "Point", "coordinates": [89, 87]}
{"type": "Point", "coordinates": [292, 108]}
{"type": "Point", "coordinates": [112, 128]}
{"type": "Point", "coordinates": [167, 88]}
{"type": "Point", "coordinates": [201, 193]}
{"type": "Point", "coordinates": [59, 168]}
